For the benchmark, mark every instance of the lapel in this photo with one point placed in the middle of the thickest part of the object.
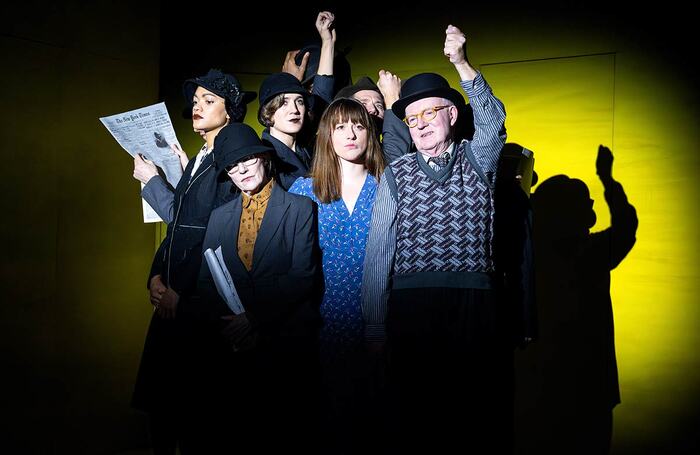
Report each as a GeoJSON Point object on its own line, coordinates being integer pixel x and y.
{"type": "Point", "coordinates": [284, 153]}
{"type": "Point", "coordinates": [185, 179]}
{"type": "Point", "coordinates": [204, 166]}
{"type": "Point", "coordinates": [228, 238]}
{"type": "Point", "coordinates": [274, 214]}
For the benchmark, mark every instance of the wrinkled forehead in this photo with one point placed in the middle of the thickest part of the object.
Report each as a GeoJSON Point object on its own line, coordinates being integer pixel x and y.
{"type": "Point", "coordinates": [368, 95]}
{"type": "Point", "coordinates": [422, 104]}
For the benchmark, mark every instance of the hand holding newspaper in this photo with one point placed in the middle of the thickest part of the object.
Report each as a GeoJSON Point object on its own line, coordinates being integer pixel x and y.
{"type": "Point", "coordinates": [148, 131]}
{"type": "Point", "coordinates": [222, 280]}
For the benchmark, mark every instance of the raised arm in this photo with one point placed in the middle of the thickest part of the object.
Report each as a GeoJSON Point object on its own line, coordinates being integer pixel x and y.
{"type": "Point", "coordinates": [324, 25]}
{"type": "Point", "coordinates": [623, 216]}
{"type": "Point", "coordinates": [324, 82]}
{"type": "Point", "coordinates": [489, 113]}
{"type": "Point", "coordinates": [455, 51]}
{"type": "Point", "coordinates": [396, 139]}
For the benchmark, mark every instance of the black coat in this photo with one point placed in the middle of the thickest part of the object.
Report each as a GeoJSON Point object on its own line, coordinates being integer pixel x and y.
{"type": "Point", "coordinates": [178, 261]}
{"type": "Point", "coordinates": [280, 292]}
{"type": "Point", "coordinates": [268, 393]}
{"type": "Point", "coordinates": [180, 254]}
{"type": "Point", "coordinates": [290, 164]}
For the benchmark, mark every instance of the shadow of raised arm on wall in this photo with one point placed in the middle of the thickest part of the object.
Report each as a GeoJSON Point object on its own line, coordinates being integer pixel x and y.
{"type": "Point", "coordinates": [567, 380]}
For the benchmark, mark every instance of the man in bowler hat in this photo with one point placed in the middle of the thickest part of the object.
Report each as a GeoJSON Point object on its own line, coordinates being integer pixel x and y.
{"type": "Point", "coordinates": [429, 285]}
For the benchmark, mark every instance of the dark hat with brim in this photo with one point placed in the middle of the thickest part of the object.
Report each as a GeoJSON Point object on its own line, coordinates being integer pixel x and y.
{"type": "Point", "coordinates": [314, 51]}
{"type": "Point", "coordinates": [221, 84]}
{"type": "Point", "coordinates": [425, 85]}
{"type": "Point", "coordinates": [235, 142]}
{"type": "Point", "coordinates": [277, 84]}
{"type": "Point", "coordinates": [341, 65]}
{"type": "Point", "coordinates": [363, 83]}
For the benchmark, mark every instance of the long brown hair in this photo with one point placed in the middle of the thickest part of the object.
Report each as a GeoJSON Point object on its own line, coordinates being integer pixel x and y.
{"type": "Point", "coordinates": [325, 168]}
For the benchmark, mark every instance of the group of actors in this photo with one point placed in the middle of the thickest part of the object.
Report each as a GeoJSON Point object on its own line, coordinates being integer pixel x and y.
{"type": "Point", "coordinates": [359, 234]}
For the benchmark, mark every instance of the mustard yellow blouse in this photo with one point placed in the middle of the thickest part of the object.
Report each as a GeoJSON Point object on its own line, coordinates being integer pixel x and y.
{"type": "Point", "coordinates": [251, 218]}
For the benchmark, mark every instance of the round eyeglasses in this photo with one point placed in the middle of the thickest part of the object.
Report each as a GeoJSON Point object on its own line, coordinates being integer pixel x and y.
{"type": "Point", "coordinates": [427, 115]}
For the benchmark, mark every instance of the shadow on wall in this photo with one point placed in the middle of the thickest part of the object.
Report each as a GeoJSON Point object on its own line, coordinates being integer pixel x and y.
{"type": "Point", "coordinates": [567, 383]}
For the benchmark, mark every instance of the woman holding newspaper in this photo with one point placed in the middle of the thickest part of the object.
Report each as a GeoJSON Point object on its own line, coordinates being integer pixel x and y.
{"type": "Point", "coordinates": [263, 365]}
{"type": "Point", "coordinates": [164, 385]}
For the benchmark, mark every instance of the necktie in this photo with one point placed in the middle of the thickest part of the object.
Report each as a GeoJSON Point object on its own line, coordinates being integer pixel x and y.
{"type": "Point", "coordinates": [440, 161]}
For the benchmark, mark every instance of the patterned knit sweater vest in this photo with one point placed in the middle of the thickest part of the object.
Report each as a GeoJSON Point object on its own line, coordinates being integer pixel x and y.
{"type": "Point", "coordinates": [443, 227]}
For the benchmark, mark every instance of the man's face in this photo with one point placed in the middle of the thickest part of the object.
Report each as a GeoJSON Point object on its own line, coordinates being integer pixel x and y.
{"type": "Point", "coordinates": [372, 101]}
{"type": "Point", "coordinates": [432, 137]}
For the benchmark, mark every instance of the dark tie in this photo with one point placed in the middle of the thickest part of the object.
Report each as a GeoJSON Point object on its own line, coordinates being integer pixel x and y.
{"type": "Point", "coordinates": [441, 160]}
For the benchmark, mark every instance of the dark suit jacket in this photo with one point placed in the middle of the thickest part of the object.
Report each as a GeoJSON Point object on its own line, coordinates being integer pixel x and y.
{"type": "Point", "coordinates": [179, 257]}
{"type": "Point", "coordinates": [280, 293]}
{"type": "Point", "coordinates": [290, 164]}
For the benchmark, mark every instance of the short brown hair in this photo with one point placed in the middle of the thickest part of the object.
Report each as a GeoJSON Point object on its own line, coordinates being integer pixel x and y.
{"type": "Point", "coordinates": [325, 168]}
{"type": "Point", "coordinates": [267, 112]}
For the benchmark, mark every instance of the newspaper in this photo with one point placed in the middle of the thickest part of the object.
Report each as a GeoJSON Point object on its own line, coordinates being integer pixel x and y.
{"type": "Point", "coordinates": [222, 280]}
{"type": "Point", "coordinates": [148, 131]}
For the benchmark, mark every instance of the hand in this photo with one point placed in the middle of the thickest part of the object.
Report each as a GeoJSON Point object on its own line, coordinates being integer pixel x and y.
{"type": "Point", "coordinates": [389, 86]}
{"type": "Point", "coordinates": [239, 333]}
{"type": "Point", "coordinates": [156, 289]}
{"type": "Point", "coordinates": [290, 65]}
{"type": "Point", "coordinates": [603, 163]}
{"type": "Point", "coordinates": [180, 154]}
{"type": "Point", "coordinates": [167, 305]}
{"type": "Point", "coordinates": [454, 45]}
{"type": "Point", "coordinates": [144, 170]}
{"type": "Point", "coordinates": [324, 25]}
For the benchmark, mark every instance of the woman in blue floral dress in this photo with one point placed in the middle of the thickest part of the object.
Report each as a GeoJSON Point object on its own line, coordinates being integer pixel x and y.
{"type": "Point", "coordinates": [343, 182]}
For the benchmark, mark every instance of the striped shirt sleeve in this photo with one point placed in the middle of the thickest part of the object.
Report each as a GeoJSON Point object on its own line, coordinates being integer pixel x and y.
{"type": "Point", "coordinates": [379, 260]}
{"type": "Point", "coordinates": [489, 123]}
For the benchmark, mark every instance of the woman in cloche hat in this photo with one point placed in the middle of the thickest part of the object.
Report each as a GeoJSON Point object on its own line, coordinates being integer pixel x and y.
{"type": "Point", "coordinates": [163, 386]}
{"type": "Point", "coordinates": [284, 109]}
{"type": "Point", "coordinates": [261, 369]}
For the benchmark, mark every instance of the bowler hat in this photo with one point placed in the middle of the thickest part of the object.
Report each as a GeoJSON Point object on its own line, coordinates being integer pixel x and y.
{"type": "Point", "coordinates": [221, 84]}
{"type": "Point", "coordinates": [236, 141]}
{"type": "Point", "coordinates": [363, 83]}
{"type": "Point", "coordinates": [425, 85]}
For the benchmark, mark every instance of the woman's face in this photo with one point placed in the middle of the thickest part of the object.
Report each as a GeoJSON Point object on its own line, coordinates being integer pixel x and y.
{"type": "Point", "coordinates": [350, 141]}
{"type": "Point", "coordinates": [249, 174]}
{"type": "Point", "coordinates": [289, 118]}
{"type": "Point", "coordinates": [208, 110]}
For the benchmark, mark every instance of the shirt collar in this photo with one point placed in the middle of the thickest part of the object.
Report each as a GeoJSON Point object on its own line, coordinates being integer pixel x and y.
{"type": "Point", "coordinates": [260, 197]}
{"type": "Point", "coordinates": [449, 150]}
